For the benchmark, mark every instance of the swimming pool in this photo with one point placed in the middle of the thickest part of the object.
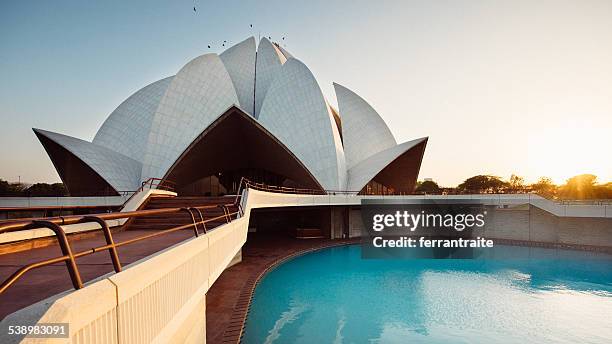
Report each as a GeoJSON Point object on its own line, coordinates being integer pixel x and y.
{"type": "Point", "coordinates": [334, 296]}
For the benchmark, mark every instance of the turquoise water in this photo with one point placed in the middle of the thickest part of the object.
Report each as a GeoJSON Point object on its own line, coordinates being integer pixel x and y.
{"type": "Point", "coordinates": [333, 296]}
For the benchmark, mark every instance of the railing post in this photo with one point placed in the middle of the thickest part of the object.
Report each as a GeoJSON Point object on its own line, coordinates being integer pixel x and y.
{"type": "Point", "coordinates": [201, 219]}
{"type": "Point", "coordinates": [109, 240]}
{"type": "Point", "coordinates": [195, 226]}
{"type": "Point", "coordinates": [225, 212]}
{"type": "Point", "coordinates": [65, 247]}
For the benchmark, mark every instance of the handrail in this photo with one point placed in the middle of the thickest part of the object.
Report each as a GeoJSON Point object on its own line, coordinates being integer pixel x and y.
{"type": "Point", "coordinates": [162, 184]}
{"type": "Point", "coordinates": [57, 207]}
{"type": "Point", "coordinates": [246, 183]}
{"type": "Point", "coordinates": [70, 257]}
{"type": "Point", "coordinates": [55, 223]}
{"type": "Point", "coordinates": [19, 224]}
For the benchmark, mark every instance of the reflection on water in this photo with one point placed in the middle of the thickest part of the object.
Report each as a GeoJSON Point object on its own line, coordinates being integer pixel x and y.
{"type": "Point", "coordinates": [285, 318]}
{"type": "Point", "coordinates": [335, 296]}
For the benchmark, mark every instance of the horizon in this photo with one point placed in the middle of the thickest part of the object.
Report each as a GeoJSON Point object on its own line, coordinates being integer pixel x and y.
{"type": "Point", "coordinates": [527, 183]}
{"type": "Point", "coordinates": [451, 65]}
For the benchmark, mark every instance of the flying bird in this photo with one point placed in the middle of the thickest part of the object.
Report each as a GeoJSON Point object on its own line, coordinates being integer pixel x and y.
{"type": "Point", "coordinates": [209, 47]}
{"type": "Point", "coordinates": [251, 25]}
{"type": "Point", "coordinates": [194, 9]}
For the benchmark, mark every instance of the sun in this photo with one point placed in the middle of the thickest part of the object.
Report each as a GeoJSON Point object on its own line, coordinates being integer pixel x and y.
{"type": "Point", "coordinates": [563, 150]}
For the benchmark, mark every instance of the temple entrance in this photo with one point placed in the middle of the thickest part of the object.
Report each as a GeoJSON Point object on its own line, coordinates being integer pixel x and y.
{"type": "Point", "coordinates": [232, 147]}
{"type": "Point", "coordinates": [228, 182]}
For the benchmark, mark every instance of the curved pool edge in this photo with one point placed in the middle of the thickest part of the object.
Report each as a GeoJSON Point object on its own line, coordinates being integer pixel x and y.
{"type": "Point", "coordinates": [286, 305]}
{"type": "Point", "coordinates": [234, 332]}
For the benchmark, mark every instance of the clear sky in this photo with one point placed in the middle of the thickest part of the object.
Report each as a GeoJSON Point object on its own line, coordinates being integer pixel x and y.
{"type": "Point", "coordinates": [499, 87]}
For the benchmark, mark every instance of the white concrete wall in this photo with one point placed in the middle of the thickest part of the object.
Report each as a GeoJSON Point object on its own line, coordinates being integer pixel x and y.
{"type": "Point", "coordinates": [159, 299]}
{"type": "Point", "coordinates": [261, 199]}
{"type": "Point", "coordinates": [517, 217]}
{"type": "Point", "coordinates": [529, 223]}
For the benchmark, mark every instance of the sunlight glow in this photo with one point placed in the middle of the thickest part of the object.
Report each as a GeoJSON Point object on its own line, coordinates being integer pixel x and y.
{"type": "Point", "coordinates": [567, 149]}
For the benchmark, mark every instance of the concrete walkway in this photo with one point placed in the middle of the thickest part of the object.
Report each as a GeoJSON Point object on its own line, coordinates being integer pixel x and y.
{"type": "Point", "coordinates": [41, 283]}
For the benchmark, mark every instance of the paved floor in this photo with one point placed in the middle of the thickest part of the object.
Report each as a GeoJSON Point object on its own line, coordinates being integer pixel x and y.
{"type": "Point", "coordinates": [228, 299]}
{"type": "Point", "coordinates": [43, 282]}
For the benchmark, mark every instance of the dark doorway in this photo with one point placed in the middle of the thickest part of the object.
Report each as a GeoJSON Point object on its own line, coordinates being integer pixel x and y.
{"type": "Point", "coordinates": [292, 221]}
{"type": "Point", "coordinates": [232, 147]}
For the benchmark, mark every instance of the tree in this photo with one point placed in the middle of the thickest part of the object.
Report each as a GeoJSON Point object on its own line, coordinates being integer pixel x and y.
{"type": "Point", "coordinates": [604, 191]}
{"type": "Point", "coordinates": [482, 184]}
{"type": "Point", "coordinates": [46, 190]}
{"type": "Point", "coordinates": [544, 187]}
{"type": "Point", "coordinates": [516, 184]}
{"type": "Point", "coordinates": [4, 187]}
{"type": "Point", "coordinates": [36, 190]}
{"type": "Point", "coordinates": [427, 187]}
{"type": "Point", "coordinates": [11, 189]}
{"type": "Point", "coordinates": [579, 187]}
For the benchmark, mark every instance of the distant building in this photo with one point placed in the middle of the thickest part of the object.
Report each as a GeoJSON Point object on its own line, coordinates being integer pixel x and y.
{"type": "Point", "coordinates": [247, 112]}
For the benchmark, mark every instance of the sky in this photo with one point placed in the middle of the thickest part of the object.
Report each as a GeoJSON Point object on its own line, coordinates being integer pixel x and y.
{"type": "Point", "coordinates": [499, 87]}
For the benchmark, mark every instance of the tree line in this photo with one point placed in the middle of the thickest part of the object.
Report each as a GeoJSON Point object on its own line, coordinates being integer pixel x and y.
{"type": "Point", "coordinates": [583, 186]}
{"type": "Point", "coordinates": [34, 190]}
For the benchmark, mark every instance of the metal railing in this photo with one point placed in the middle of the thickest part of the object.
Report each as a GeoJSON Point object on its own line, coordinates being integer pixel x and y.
{"type": "Point", "coordinates": [246, 183]}
{"type": "Point", "coordinates": [53, 211]}
{"type": "Point", "coordinates": [584, 201]}
{"type": "Point", "coordinates": [158, 183]}
{"type": "Point", "coordinates": [152, 183]}
{"type": "Point", "coordinates": [196, 214]}
{"type": "Point", "coordinates": [69, 257]}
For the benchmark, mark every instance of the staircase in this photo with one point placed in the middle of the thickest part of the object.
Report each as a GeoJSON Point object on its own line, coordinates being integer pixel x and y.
{"type": "Point", "coordinates": [167, 221]}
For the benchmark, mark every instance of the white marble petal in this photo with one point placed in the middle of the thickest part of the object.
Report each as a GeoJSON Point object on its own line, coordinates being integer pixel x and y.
{"type": "Point", "coordinates": [145, 135]}
{"type": "Point", "coordinates": [361, 173]}
{"type": "Point", "coordinates": [239, 61]}
{"type": "Point", "coordinates": [127, 128]}
{"type": "Point", "coordinates": [199, 93]}
{"type": "Point", "coordinates": [363, 131]}
{"type": "Point", "coordinates": [269, 62]}
{"type": "Point", "coordinates": [120, 171]}
{"type": "Point", "coordinates": [285, 52]}
{"type": "Point", "coordinates": [296, 112]}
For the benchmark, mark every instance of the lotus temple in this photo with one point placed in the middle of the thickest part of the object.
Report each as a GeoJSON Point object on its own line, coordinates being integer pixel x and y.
{"type": "Point", "coordinates": [226, 204]}
{"type": "Point", "coordinates": [254, 112]}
